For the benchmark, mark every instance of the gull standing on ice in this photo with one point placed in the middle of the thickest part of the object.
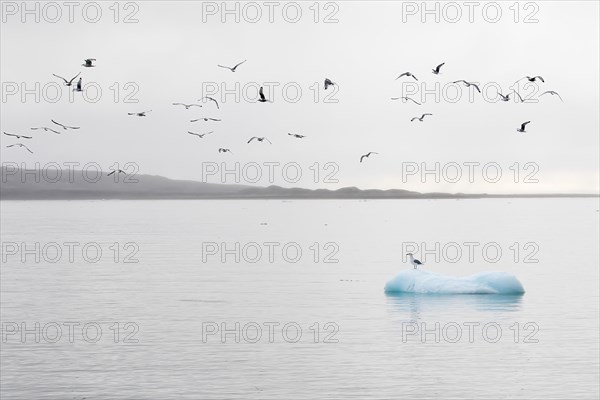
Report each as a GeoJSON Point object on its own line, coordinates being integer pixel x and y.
{"type": "Point", "coordinates": [414, 261]}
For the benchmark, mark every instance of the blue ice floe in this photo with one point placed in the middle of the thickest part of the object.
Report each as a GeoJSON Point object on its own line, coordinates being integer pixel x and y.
{"type": "Point", "coordinates": [421, 281]}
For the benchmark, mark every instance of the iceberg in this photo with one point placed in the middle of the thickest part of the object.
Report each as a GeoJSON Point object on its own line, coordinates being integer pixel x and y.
{"type": "Point", "coordinates": [421, 281]}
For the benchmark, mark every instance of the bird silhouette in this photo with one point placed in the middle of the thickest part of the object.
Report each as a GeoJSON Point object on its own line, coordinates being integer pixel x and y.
{"type": "Point", "coordinates": [523, 125]}
{"type": "Point", "coordinates": [367, 155]}
{"type": "Point", "coordinates": [232, 69]}
{"type": "Point", "coordinates": [406, 98]}
{"type": "Point", "coordinates": [436, 71]}
{"type": "Point", "coordinates": [65, 127]}
{"type": "Point", "coordinates": [20, 145]}
{"type": "Point", "coordinates": [67, 83]}
{"type": "Point", "coordinates": [260, 139]}
{"type": "Point", "coordinates": [419, 118]}
{"type": "Point", "coordinates": [407, 74]}
{"type": "Point", "coordinates": [17, 136]}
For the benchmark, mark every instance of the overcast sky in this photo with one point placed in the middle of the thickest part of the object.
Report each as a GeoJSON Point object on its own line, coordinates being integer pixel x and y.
{"type": "Point", "coordinates": [171, 55]}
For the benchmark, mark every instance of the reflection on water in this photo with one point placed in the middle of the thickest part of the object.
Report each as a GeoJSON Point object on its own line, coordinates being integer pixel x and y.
{"type": "Point", "coordinates": [420, 306]}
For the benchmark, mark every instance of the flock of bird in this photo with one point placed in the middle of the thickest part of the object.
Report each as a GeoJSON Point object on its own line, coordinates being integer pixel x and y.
{"type": "Point", "coordinates": [261, 99]}
{"type": "Point", "coordinates": [437, 71]}
{"type": "Point", "coordinates": [89, 63]}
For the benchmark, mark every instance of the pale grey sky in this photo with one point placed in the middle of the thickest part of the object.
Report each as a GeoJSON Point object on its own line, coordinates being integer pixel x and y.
{"type": "Point", "coordinates": [172, 53]}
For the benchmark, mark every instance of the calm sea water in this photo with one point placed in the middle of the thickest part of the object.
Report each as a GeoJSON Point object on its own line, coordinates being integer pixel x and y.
{"type": "Point", "coordinates": [307, 293]}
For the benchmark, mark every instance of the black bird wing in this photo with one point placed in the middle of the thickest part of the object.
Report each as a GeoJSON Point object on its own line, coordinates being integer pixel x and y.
{"type": "Point", "coordinates": [211, 99]}
{"type": "Point", "coordinates": [66, 81]}
{"type": "Point", "coordinates": [71, 81]}
{"type": "Point", "coordinates": [58, 123]}
{"type": "Point", "coordinates": [110, 173]}
{"type": "Point", "coordinates": [238, 64]}
{"type": "Point", "coordinates": [252, 138]}
{"type": "Point", "coordinates": [439, 66]}
{"type": "Point", "coordinates": [261, 94]}
{"type": "Point", "coordinates": [524, 124]}
{"type": "Point", "coordinates": [10, 134]}
{"type": "Point", "coordinates": [540, 78]}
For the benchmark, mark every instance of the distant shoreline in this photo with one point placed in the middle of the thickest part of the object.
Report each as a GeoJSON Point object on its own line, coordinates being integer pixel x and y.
{"type": "Point", "coordinates": [62, 197]}
{"type": "Point", "coordinates": [15, 186]}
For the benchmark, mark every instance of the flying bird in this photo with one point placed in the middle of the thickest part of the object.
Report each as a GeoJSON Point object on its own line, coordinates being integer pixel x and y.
{"type": "Point", "coordinates": [436, 71]}
{"type": "Point", "coordinates": [468, 84]}
{"type": "Point", "coordinates": [78, 88]}
{"type": "Point", "coordinates": [328, 83]}
{"type": "Point", "coordinates": [260, 139]}
{"type": "Point", "coordinates": [552, 92]}
{"type": "Point", "coordinates": [420, 119]}
{"type": "Point", "coordinates": [65, 127]}
{"type": "Point", "coordinates": [367, 155]}
{"type": "Point", "coordinates": [262, 99]}
{"type": "Point", "coordinates": [503, 97]}
{"type": "Point", "coordinates": [187, 106]}
{"type": "Point", "coordinates": [67, 83]}
{"type": "Point", "coordinates": [204, 119]}
{"type": "Point", "coordinates": [20, 145]}
{"type": "Point", "coordinates": [414, 261]}
{"type": "Point", "coordinates": [211, 99]}
{"type": "Point", "coordinates": [407, 74]}
{"type": "Point", "coordinates": [88, 62]}
{"type": "Point", "coordinates": [120, 171]}
{"type": "Point", "coordinates": [200, 135]}
{"type": "Point", "coordinates": [222, 150]}
{"type": "Point", "coordinates": [522, 128]}
{"type": "Point", "coordinates": [507, 97]}
{"type": "Point", "coordinates": [17, 136]}
{"type": "Point", "coordinates": [139, 114]}
{"type": "Point", "coordinates": [534, 78]}
{"type": "Point", "coordinates": [406, 98]}
{"type": "Point", "coordinates": [232, 69]}
{"type": "Point", "coordinates": [296, 135]}
{"type": "Point", "coordinates": [46, 129]}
